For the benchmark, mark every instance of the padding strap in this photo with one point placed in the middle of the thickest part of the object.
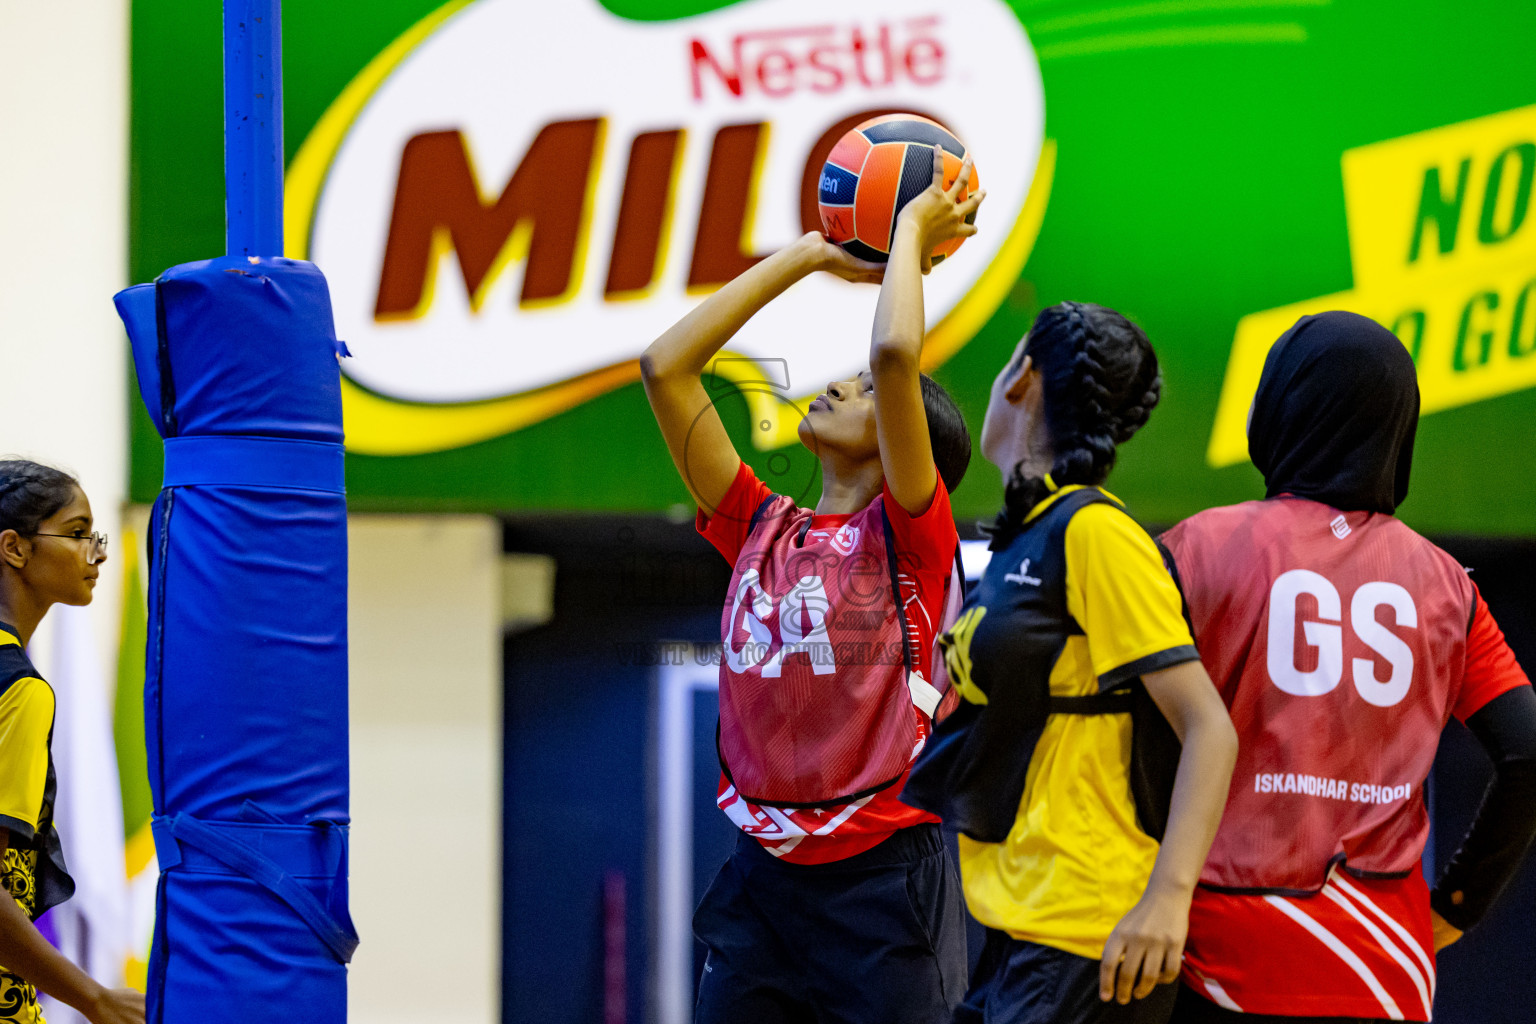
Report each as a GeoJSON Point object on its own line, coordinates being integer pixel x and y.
{"type": "Point", "coordinates": [305, 850]}
{"type": "Point", "coordinates": [217, 461]}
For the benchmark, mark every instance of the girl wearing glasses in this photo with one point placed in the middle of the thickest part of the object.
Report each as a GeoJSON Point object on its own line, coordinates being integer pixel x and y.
{"type": "Point", "coordinates": [48, 555]}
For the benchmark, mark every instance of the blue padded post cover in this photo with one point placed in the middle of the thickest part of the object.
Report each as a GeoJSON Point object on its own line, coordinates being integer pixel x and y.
{"type": "Point", "coordinates": [245, 688]}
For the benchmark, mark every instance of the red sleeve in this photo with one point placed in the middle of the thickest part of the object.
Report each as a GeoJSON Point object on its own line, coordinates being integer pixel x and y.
{"type": "Point", "coordinates": [925, 541]}
{"type": "Point", "coordinates": [1491, 667]}
{"type": "Point", "coordinates": [727, 528]}
{"type": "Point", "coordinates": [925, 557]}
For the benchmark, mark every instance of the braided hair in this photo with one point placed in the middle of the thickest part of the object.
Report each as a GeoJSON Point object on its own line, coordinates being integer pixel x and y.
{"type": "Point", "coordinates": [1101, 382]}
{"type": "Point", "coordinates": [30, 493]}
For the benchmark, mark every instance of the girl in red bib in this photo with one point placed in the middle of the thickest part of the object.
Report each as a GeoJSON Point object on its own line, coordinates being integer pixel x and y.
{"type": "Point", "coordinates": [840, 902]}
{"type": "Point", "coordinates": [1342, 642]}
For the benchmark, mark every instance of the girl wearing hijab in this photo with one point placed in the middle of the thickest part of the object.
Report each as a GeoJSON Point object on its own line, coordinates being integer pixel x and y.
{"type": "Point", "coordinates": [1342, 642]}
{"type": "Point", "coordinates": [48, 556]}
{"type": "Point", "coordinates": [1072, 659]}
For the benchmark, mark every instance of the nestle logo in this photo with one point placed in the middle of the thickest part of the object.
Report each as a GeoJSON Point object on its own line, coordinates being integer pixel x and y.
{"type": "Point", "coordinates": [820, 58]}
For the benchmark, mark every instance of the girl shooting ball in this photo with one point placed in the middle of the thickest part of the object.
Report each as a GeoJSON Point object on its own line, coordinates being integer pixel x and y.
{"type": "Point", "coordinates": [839, 903]}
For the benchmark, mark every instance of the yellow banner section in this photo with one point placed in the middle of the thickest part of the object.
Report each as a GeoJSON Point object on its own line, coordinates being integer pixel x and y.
{"type": "Point", "coordinates": [1444, 254]}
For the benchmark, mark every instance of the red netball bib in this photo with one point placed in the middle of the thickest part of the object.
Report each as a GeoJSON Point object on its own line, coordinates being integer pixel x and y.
{"type": "Point", "coordinates": [1338, 641]}
{"type": "Point", "coordinates": [817, 681]}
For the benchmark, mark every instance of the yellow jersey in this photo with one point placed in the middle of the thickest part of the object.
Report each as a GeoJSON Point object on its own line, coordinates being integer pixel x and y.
{"type": "Point", "coordinates": [1076, 860]}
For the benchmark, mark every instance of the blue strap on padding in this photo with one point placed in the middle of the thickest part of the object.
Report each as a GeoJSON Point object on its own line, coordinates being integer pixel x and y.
{"type": "Point", "coordinates": [167, 850]}
{"type": "Point", "coordinates": [219, 844]}
{"type": "Point", "coordinates": [216, 461]}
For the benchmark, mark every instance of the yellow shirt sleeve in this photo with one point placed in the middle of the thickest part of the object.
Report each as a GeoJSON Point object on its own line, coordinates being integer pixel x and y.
{"type": "Point", "coordinates": [26, 717]}
{"type": "Point", "coordinates": [1121, 594]}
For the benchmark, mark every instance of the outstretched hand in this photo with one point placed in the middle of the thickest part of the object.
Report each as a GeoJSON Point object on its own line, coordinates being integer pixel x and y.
{"type": "Point", "coordinates": [834, 259]}
{"type": "Point", "coordinates": [939, 214]}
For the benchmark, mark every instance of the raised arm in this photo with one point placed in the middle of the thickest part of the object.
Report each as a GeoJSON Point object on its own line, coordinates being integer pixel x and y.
{"type": "Point", "coordinates": [673, 365]}
{"type": "Point", "coordinates": [933, 217]}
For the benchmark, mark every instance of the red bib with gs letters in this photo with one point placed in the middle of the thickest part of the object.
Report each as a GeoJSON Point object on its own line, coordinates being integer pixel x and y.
{"type": "Point", "coordinates": [817, 678]}
{"type": "Point", "coordinates": [1338, 641]}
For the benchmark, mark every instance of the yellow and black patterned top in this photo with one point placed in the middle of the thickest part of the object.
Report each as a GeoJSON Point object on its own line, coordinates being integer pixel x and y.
{"type": "Point", "coordinates": [1053, 849]}
{"type": "Point", "coordinates": [33, 871]}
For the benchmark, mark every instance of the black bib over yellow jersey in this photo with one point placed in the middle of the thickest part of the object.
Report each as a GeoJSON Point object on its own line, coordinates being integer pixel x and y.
{"type": "Point", "coordinates": [51, 883]}
{"type": "Point", "coordinates": [999, 656]}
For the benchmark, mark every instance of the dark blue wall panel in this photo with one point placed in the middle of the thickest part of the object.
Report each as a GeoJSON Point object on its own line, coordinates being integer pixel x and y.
{"type": "Point", "coordinates": [579, 717]}
{"type": "Point", "coordinates": [1486, 978]}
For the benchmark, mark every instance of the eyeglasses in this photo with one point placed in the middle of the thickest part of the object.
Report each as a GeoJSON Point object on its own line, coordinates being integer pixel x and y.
{"type": "Point", "coordinates": [96, 553]}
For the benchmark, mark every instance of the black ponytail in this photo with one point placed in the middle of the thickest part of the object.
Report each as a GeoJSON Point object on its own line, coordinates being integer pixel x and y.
{"type": "Point", "coordinates": [1101, 382]}
{"type": "Point", "coordinates": [947, 433]}
{"type": "Point", "coordinates": [30, 493]}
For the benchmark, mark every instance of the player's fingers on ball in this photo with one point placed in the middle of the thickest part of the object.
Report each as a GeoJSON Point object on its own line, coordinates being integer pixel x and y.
{"type": "Point", "coordinates": [963, 178]}
{"type": "Point", "coordinates": [966, 230]}
{"type": "Point", "coordinates": [938, 167]}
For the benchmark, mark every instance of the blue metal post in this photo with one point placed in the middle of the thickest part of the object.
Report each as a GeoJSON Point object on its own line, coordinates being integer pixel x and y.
{"type": "Point", "coordinates": [253, 127]}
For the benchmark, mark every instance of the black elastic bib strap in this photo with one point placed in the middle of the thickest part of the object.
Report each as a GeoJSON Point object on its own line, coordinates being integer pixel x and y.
{"type": "Point", "coordinates": [909, 657]}
{"type": "Point", "coordinates": [757, 514]}
{"type": "Point", "coordinates": [1115, 702]}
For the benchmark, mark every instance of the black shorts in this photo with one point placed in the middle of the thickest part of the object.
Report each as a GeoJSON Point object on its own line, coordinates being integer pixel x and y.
{"type": "Point", "coordinates": [1193, 1008]}
{"type": "Point", "coordinates": [878, 937]}
{"type": "Point", "coordinates": [1018, 982]}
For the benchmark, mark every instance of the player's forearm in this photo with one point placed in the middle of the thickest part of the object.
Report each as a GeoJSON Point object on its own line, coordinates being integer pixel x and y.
{"type": "Point", "coordinates": [1199, 796]}
{"type": "Point", "coordinates": [897, 338]}
{"type": "Point", "coordinates": [687, 347]}
{"type": "Point", "coordinates": [25, 952]}
{"type": "Point", "coordinates": [1502, 832]}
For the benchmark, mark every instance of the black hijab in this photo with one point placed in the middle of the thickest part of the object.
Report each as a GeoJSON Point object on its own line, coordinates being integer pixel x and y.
{"type": "Point", "coordinates": [1335, 413]}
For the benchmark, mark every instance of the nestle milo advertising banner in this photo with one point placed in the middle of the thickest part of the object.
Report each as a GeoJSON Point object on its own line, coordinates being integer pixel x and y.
{"type": "Point", "coordinates": [511, 198]}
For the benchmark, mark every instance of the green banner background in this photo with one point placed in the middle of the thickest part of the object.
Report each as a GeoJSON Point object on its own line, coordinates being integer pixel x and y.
{"type": "Point", "coordinates": [1198, 180]}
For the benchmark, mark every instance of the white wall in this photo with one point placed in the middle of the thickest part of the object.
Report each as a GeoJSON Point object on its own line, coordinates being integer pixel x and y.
{"type": "Point", "coordinates": [426, 592]}
{"type": "Point", "coordinates": [63, 250]}
{"type": "Point", "coordinates": [425, 621]}
{"type": "Point", "coordinates": [63, 358]}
